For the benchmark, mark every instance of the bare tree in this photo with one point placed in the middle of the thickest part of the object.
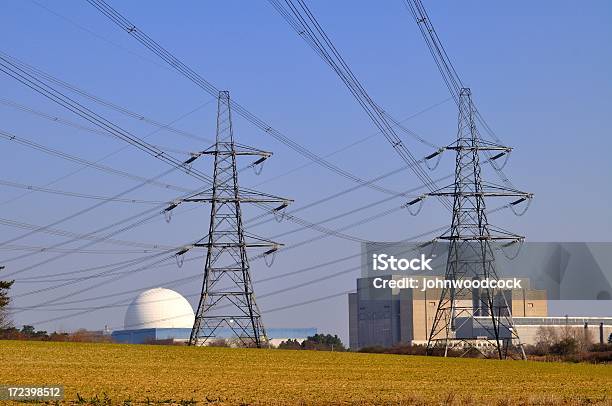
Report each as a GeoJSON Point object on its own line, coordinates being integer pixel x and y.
{"type": "Point", "coordinates": [547, 336]}
{"type": "Point", "coordinates": [582, 336]}
{"type": "Point", "coordinates": [5, 320]}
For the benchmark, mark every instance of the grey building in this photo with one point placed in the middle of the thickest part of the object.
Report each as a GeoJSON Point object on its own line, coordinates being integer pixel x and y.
{"type": "Point", "coordinates": [379, 317]}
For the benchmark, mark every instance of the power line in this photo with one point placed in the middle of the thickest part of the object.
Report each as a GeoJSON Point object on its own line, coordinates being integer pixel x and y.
{"type": "Point", "coordinates": [335, 233]}
{"type": "Point", "coordinates": [54, 95]}
{"type": "Point", "coordinates": [129, 139]}
{"type": "Point", "coordinates": [186, 279]}
{"type": "Point", "coordinates": [46, 90]}
{"type": "Point", "coordinates": [293, 218]}
{"type": "Point", "coordinates": [306, 25]}
{"type": "Point", "coordinates": [290, 217]}
{"type": "Point", "coordinates": [198, 80]}
{"type": "Point", "coordinates": [65, 233]}
{"type": "Point", "coordinates": [68, 123]}
{"type": "Point", "coordinates": [96, 35]}
{"type": "Point", "coordinates": [358, 142]}
{"type": "Point", "coordinates": [39, 248]}
{"type": "Point", "coordinates": [77, 194]}
{"type": "Point", "coordinates": [157, 210]}
{"type": "Point", "coordinates": [449, 73]}
{"type": "Point", "coordinates": [9, 136]}
{"type": "Point", "coordinates": [104, 122]}
{"type": "Point", "coordinates": [123, 110]}
{"type": "Point", "coordinates": [303, 284]}
{"type": "Point", "coordinates": [174, 63]}
{"type": "Point", "coordinates": [285, 248]}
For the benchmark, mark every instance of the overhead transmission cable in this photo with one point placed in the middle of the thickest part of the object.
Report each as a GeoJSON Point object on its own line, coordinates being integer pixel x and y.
{"type": "Point", "coordinates": [84, 112]}
{"type": "Point", "coordinates": [76, 194]}
{"type": "Point", "coordinates": [65, 233]}
{"type": "Point", "coordinates": [449, 73]}
{"type": "Point", "coordinates": [12, 137]}
{"type": "Point", "coordinates": [198, 80]}
{"type": "Point", "coordinates": [303, 21]}
{"type": "Point", "coordinates": [252, 220]}
{"type": "Point", "coordinates": [155, 210]}
{"type": "Point", "coordinates": [88, 310]}
{"type": "Point", "coordinates": [54, 95]}
{"type": "Point", "coordinates": [123, 110]}
{"type": "Point", "coordinates": [254, 259]}
{"type": "Point", "coordinates": [260, 256]}
{"type": "Point", "coordinates": [48, 302]}
{"type": "Point", "coordinates": [68, 123]}
{"type": "Point", "coordinates": [336, 232]}
{"type": "Point", "coordinates": [292, 218]}
{"type": "Point", "coordinates": [48, 91]}
{"type": "Point", "coordinates": [355, 143]}
{"type": "Point", "coordinates": [34, 248]}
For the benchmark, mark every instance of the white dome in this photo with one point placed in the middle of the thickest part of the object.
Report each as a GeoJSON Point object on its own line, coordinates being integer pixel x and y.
{"type": "Point", "coordinates": [159, 308]}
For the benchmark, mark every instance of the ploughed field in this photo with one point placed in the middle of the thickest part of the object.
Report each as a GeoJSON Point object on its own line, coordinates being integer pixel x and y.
{"type": "Point", "coordinates": [118, 373]}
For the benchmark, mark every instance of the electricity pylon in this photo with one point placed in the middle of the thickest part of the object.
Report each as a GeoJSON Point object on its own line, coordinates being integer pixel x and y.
{"type": "Point", "coordinates": [469, 317]}
{"type": "Point", "coordinates": [227, 303]}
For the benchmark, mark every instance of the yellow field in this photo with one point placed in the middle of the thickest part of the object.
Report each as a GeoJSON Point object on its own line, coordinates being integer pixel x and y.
{"type": "Point", "coordinates": [250, 376]}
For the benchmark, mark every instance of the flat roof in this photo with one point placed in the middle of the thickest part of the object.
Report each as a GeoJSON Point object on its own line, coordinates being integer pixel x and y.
{"type": "Point", "coordinates": [559, 320]}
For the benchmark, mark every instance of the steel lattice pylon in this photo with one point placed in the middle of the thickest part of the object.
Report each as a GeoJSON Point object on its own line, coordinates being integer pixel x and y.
{"type": "Point", "coordinates": [470, 254]}
{"type": "Point", "coordinates": [227, 301]}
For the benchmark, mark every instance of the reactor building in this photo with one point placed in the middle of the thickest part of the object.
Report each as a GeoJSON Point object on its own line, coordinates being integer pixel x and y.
{"type": "Point", "coordinates": [560, 271]}
{"type": "Point", "coordinates": [388, 317]}
{"type": "Point", "coordinates": [164, 315]}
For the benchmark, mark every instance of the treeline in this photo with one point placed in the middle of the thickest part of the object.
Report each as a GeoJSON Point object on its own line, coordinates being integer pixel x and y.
{"type": "Point", "coordinates": [571, 344]}
{"type": "Point", "coordinates": [30, 333]}
{"type": "Point", "coordinates": [27, 332]}
{"type": "Point", "coordinates": [317, 342]}
{"type": "Point", "coordinates": [568, 344]}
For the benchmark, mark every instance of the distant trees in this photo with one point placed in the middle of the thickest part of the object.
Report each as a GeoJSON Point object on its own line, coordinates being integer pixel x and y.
{"type": "Point", "coordinates": [28, 332]}
{"type": "Point", "coordinates": [318, 342]}
{"type": "Point", "coordinates": [290, 344]}
{"type": "Point", "coordinates": [564, 341]}
{"type": "Point", "coordinates": [565, 346]}
{"type": "Point", "coordinates": [574, 344]}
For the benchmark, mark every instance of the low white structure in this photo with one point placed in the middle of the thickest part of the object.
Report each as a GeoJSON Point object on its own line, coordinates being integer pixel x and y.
{"type": "Point", "coordinates": [164, 315]}
{"type": "Point", "coordinates": [159, 308]}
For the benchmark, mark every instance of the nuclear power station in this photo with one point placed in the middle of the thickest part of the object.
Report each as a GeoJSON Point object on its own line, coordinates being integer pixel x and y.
{"type": "Point", "coordinates": [469, 313]}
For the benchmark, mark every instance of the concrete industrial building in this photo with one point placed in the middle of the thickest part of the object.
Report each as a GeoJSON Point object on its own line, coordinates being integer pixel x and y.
{"type": "Point", "coordinates": [387, 317]}
{"type": "Point", "coordinates": [164, 315]}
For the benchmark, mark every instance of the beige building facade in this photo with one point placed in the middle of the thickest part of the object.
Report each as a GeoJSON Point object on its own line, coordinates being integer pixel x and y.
{"type": "Point", "coordinates": [387, 317]}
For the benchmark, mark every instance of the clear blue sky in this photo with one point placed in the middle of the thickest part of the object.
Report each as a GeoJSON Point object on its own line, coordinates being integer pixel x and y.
{"type": "Point", "coordinates": [540, 72]}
